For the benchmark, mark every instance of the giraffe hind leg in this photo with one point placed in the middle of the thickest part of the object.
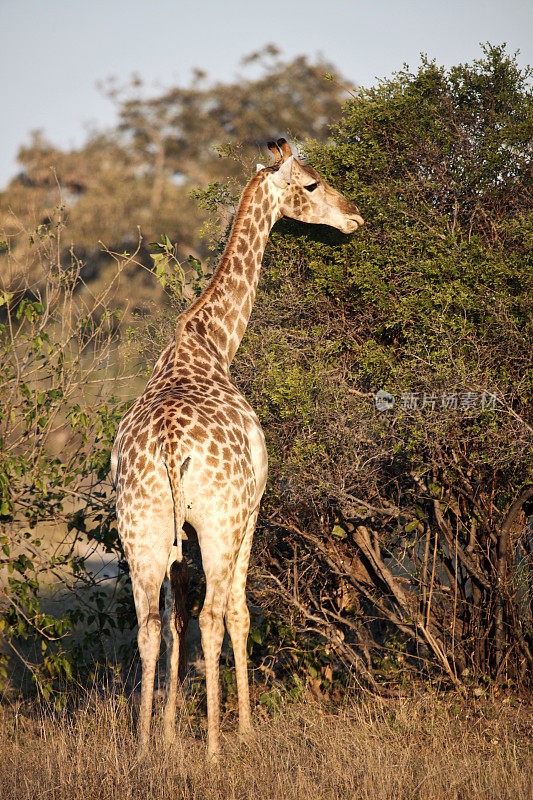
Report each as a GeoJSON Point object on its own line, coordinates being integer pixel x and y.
{"type": "Point", "coordinates": [212, 628]}
{"type": "Point", "coordinates": [148, 547]}
{"type": "Point", "coordinates": [149, 640]}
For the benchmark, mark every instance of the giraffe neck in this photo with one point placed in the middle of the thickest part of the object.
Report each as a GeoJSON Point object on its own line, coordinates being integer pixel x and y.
{"type": "Point", "coordinates": [220, 315]}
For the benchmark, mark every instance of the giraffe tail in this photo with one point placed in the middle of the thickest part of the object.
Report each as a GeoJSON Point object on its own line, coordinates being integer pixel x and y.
{"type": "Point", "coordinates": [177, 569]}
{"type": "Point", "coordinates": [176, 472]}
{"type": "Point", "coordinates": [178, 574]}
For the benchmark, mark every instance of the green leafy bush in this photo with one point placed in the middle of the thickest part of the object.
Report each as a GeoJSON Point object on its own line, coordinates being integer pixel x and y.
{"type": "Point", "coordinates": [431, 301]}
{"type": "Point", "coordinates": [58, 419]}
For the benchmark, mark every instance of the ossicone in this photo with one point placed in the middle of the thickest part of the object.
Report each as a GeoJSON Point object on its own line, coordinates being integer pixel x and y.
{"type": "Point", "coordinates": [276, 152]}
{"type": "Point", "coordinates": [281, 150]}
{"type": "Point", "coordinates": [285, 148]}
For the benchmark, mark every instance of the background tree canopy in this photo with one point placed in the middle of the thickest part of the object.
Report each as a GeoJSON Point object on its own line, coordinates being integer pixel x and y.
{"type": "Point", "coordinates": [140, 174]}
{"type": "Point", "coordinates": [393, 540]}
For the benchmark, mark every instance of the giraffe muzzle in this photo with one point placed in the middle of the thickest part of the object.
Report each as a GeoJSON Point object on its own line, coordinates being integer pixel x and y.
{"type": "Point", "coordinates": [353, 223]}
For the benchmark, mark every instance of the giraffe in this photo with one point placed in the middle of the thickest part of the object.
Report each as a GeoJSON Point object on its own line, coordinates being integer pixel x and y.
{"type": "Point", "coordinates": [191, 448]}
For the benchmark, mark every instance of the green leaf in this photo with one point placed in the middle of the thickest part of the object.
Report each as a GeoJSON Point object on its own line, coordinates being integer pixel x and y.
{"type": "Point", "coordinates": [338, 532]}
{"type": "Point", "coordinates": [411, 526]}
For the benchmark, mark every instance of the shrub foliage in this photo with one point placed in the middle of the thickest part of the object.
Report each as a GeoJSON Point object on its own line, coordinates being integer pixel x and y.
{"type": "Point", "coordinates": [400, 536]}
{"type": "Point", "coordinates": [58, 419]}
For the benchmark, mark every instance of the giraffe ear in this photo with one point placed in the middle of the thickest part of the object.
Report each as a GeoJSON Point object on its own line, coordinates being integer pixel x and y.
{"type": "Point", "coordinates": [259, 167]}
{"type": "Point", "coordinates": [282, 177]}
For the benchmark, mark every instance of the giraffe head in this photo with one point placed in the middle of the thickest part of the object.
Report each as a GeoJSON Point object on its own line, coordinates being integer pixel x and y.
{"type": "Point", "coordinates": [303, 195]}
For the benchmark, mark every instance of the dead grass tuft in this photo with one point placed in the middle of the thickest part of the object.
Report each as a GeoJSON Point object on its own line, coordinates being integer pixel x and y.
{"type": "Point", "coordinates": [425, 747]}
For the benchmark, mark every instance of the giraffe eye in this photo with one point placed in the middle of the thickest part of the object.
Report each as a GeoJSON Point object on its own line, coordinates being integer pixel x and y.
{"type": "Point", "coordinates": [311, 187]}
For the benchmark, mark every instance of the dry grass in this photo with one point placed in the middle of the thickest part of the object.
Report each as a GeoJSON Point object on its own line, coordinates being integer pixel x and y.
{"type": "Point", "coordinates": [424, 747]}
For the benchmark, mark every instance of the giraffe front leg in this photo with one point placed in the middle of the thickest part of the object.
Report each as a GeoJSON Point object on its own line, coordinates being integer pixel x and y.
{"type": "Point", "coordinates": [238, 624]}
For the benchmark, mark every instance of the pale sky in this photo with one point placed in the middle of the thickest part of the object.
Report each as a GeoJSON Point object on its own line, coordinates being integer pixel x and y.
{"type": "Point", "coordinates": [52, 52]}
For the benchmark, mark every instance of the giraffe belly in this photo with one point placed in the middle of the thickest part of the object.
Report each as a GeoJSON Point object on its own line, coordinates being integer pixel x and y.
{"type": "Point", "coordinates": [259, 460]}
{"type": "Point", "coordinates": [220, 497]}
